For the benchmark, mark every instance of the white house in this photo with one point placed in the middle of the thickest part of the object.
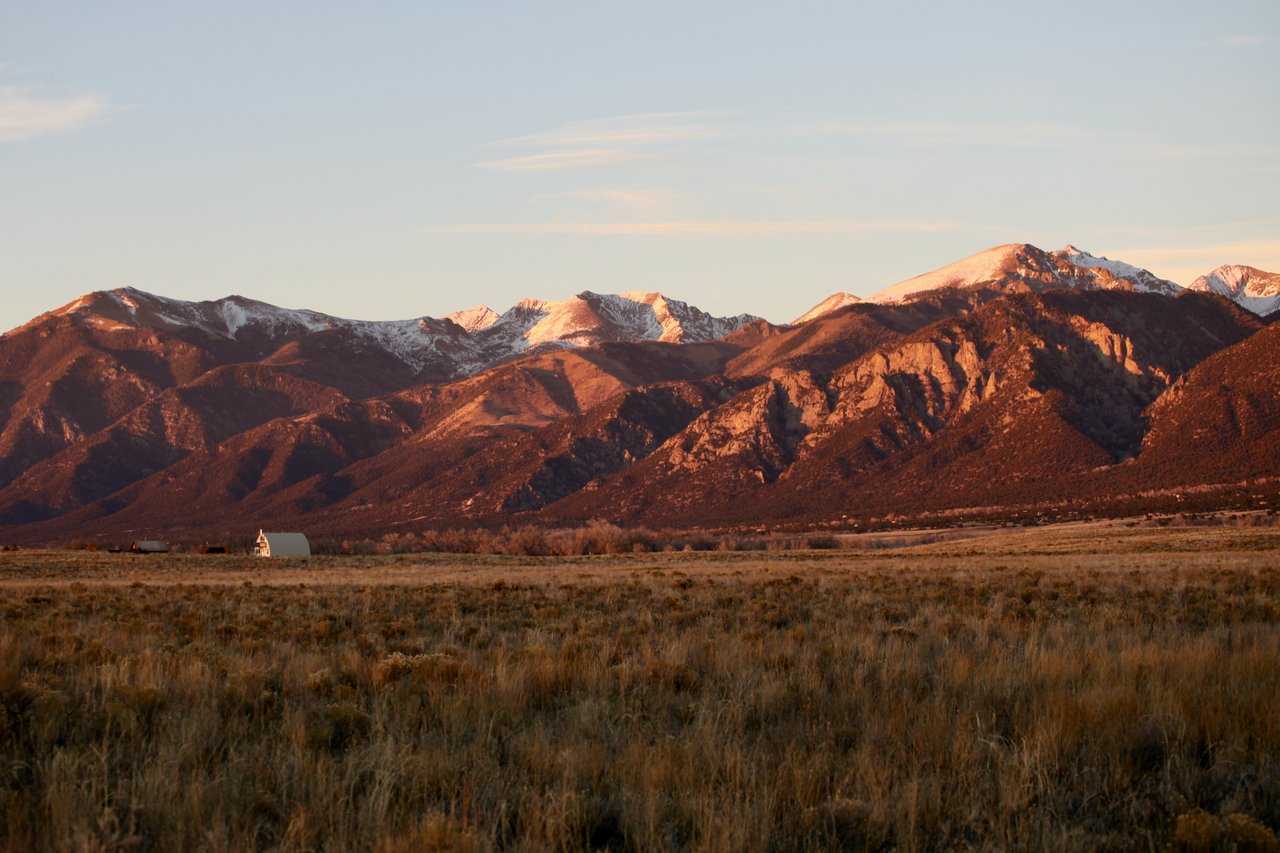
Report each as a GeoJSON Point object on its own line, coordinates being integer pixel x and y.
{"type": "Point", "coordinates": [282, 545]}
{"type": "Point", "coordinates": [149, 546]}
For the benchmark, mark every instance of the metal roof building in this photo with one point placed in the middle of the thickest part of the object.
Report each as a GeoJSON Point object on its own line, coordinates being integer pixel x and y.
{"type": "Point", "coordinates": [282, 545]}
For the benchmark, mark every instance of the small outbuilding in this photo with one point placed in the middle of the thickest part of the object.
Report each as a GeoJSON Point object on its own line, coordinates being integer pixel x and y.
{"type": "Point", "coordinates": [149, 546]}
{"type": "Point", "coordinates": [282, 545]}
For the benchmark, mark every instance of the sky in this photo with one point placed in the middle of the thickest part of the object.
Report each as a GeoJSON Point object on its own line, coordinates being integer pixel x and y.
{"type": "Point", "coordinates": [394, 160]}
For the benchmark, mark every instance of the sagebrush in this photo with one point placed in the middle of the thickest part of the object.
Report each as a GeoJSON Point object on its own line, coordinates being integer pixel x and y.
{"type": "Point", "coordinates": [717, 702]}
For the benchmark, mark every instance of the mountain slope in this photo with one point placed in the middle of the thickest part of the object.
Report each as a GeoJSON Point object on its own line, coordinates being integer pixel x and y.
{"type": "Point", "coordinates": [97, 385]}
{"type": "Point", "coordinates": [1220, 423]}
{"type": "Point", "coordinates": [1021, 267]}
{"type": "Point", "coordinates": [62, 380]}
{"type": "Point", "coordinates": [1016, 377]}
{"type": "Point", "coordinates": [999, 404]}
{"type": "Point", "coordinates": [394, 454]}
{"type": "Point", "coordinates": [849, 332]}
{"type": "Point", "coordinates": [160, 432]}
{"type": "Point", "coordinates": [521, 471]}
{"type": "Point", "coordinates": [424, 349]}
{"type": "Point", "coordinates": [1251, 288]}
{"type": "Point", "coordinates": [834, 302]}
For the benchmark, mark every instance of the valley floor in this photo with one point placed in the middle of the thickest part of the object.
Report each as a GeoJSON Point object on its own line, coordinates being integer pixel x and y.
{"type": "Point", "coordinates": [1073, 687]}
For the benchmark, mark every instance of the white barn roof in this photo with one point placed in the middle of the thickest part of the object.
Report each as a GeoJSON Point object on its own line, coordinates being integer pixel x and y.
{"type": "Point", "coordinates": [283, 545]}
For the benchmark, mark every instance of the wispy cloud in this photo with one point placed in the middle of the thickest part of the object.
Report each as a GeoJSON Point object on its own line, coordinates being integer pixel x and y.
{"type": "Point", "coordinates": [560, 160]}
{"type": "Point", "coordinates": [619, 139]}
{"type": "Point", "coordinates": [626, 130]}
{"type": "Point", "coordinates": [1175, 151]}
{"type": "Point", "coordinates": [933, 134]}
{"type": "Point", "coordinates": [671, 128]}
{"type": "Point", "coordinates": [25, 112]}
{"type": "Point", "coordinates": [604, 142]}
{"type": "Point", "coordinates": [622, 139]}
{"type": "Point", "coordinates": [693, 228]}
{"type": "Point", "coordinates": [629, 203]}
{"type": "Point", "coordinates": [1242, 41]}
{"type": "Point", "coordinates": [622, 198]}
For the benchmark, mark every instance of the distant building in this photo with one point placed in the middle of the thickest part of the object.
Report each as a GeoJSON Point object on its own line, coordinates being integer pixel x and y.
{"type": "Point", "coordinates": [149, 546]}
{"type": "Point", "coordinates": [282, 545]}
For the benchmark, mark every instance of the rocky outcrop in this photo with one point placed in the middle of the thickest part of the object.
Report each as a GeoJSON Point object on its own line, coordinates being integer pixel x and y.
{"type": "Point", "coordinates": [758, 430]}
{"type": "Point", "coordinates": [1007, 402]}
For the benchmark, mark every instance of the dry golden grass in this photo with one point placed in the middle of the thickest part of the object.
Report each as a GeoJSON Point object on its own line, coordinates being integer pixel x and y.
{"type": "Point", "coordinates": [1059, 689]}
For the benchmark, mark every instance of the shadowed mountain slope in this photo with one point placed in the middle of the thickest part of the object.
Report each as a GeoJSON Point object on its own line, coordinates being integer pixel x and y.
{"type": "Point", "coordinates": [996, 405]}
{"type": "Point", "coordinates": [1220, 423]}
{"type": "Point", "coordinates": [1016, 377]}
{"type": "Point", "coordinates": [399, 452]}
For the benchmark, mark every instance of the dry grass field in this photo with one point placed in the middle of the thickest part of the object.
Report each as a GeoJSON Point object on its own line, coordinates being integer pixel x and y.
{"type": "Point", "coordinates": [1076, 688]}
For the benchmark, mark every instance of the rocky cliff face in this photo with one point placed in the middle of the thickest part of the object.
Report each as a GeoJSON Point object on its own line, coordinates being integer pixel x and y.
{"type": "Point", "coordinates": [1029, 388]}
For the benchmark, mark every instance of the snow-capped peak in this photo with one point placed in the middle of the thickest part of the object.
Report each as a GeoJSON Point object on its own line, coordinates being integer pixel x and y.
{"type": "Point", "coordinates": [589, 318]}
{"type": "Point", "coordinates": [1251, 288]}
{"type": "Point", "coordinates": [1021, 266]}
{"type": "Point", "coordinates": [982, 268]}
{"type": "Point", "coordinates": [469, 340]}
{"type": "Point", "coordinates": [125, 296]}
{"type": "Point", "coordinates": [834, 302]}
{"type": "Point", "coordinates": [474, 319]}
{"type": "Point", "coordinates": [1137, 278]}
{"type": "Point", "coordinates": [645, 297]}
{"type": "Point", "coordinates": [130, 307]}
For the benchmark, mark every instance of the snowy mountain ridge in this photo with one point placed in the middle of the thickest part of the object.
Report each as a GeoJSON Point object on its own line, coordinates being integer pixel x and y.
{"type": "Point", "coordinates": [470, 340]}
{"type": "Point", "coordinates": [1251, 288]}
{"type": "Point", "coordinates": [466, 342]}
{"type": "Point", "coordinates": [834, 302]}
{"type": "Point", "coordinates": [1018, 267]}
{"type": "Point", "coordinates": [1021, 266]}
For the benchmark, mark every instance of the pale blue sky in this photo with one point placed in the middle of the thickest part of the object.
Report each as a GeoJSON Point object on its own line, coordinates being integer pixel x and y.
{"type": "Point", "coordinates": [418, 158]}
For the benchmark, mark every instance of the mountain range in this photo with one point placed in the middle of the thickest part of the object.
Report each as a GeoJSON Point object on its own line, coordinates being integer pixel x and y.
{"type": "Point", "coordinates": [1015, 382]}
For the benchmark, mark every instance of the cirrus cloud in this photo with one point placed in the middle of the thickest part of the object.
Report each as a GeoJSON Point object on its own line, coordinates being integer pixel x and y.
{"type": "Point", "coordinates": [693, 228]}
{"type": "Point", "coordinates": [605, 141]}
{"type": "Point", "coordinates": [625, 130]}
{"type": "Point", "coordinates": [26, 113]}
{"type": "Point", "coordinates": [559, 160]}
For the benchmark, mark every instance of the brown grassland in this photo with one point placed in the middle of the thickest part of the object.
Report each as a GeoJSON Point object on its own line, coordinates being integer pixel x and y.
{"type": "Point", "coordinates": [1071, 688]}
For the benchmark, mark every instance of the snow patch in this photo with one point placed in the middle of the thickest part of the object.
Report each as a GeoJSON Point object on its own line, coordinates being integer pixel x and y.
{"type": "Point", "coordinates": [973, 270]}
{"type": "Point", "coordinates": [1141, 280]}
{"type": "Point", "coordinates": [1081, 258]}
{"type": "Point", "coordinates": [72, 307]}
{"type": "Point", "coordinates": [124, 298]}
{"type": "Point", "coordinates": [834, 302]}
{"type": "Point", "coordinates": [645, 297]}
{"type": "Point", "coordinates": [1251, 288]}
{"type": "Point", "coordinates": [233, 317]}
{"type": "Point", "coordinates": [464, 343]}
{"type": "Point", "coordinates": [1022, 263]}
{"type": "Point", "coordinates": [474, 319]}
